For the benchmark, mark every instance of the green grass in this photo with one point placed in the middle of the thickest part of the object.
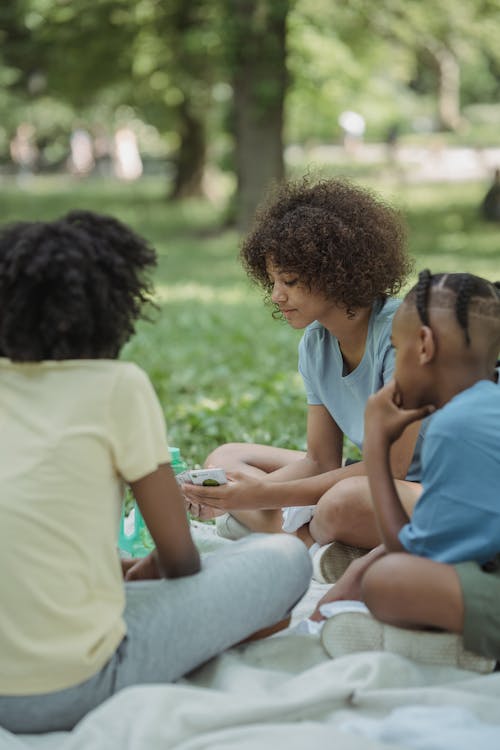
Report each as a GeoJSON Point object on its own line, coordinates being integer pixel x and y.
{"type": "Point", "coordinates": [222, 367]}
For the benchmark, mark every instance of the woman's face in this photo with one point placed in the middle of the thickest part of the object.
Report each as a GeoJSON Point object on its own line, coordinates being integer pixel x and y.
{"type": "Point", "coordinates": [298, 304]}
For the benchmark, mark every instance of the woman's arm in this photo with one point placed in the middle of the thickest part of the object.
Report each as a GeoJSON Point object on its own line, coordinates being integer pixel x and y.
{"type": "Point", "coordinates": [162, 506]}
{"type": "Point", "coordinates": [302, 482]}
{"type": "Point", "coordinates": [293, 484]}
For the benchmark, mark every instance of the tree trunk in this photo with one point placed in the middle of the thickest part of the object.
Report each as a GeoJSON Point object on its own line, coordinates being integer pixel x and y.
{"type": "Point", "coordinates": [191, 156]}
{"type": "Point", "coordinates": [448, 93]}
{"type": "Point", "coordinates": [183, 16]}
{"type": "Point", "coordinates": [259, 84]}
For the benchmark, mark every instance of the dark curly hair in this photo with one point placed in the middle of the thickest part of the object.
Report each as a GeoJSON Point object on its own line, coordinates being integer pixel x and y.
{"type": "Point", "coordinates": [71, 288]}
{"type": "Point", "coordinates": [340, 239]}
{"type": "Point", "coordinates": [465, 293]}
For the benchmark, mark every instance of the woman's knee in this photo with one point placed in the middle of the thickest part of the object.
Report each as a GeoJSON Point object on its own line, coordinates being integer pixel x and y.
{"type": "Point", "coordinates": [340, 511]}
{"type": "Point", "coordinates": [226, 454]}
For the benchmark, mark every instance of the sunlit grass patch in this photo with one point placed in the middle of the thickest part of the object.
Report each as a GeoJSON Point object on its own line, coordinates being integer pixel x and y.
{"type": "Point", "coordinates": [223, 369]}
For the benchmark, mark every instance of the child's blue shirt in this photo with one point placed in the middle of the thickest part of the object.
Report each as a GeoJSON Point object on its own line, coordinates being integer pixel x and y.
{"type": "Point", "coordinates": [457, 517]}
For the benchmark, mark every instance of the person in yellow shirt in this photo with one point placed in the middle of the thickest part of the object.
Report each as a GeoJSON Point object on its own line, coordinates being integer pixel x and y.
{"type": "Point", "coordinates": [76, 426]}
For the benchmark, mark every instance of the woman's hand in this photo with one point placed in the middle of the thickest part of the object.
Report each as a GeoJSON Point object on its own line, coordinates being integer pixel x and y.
{"type": "Point", "coordinates": [142, 569]}
{"type": "Point", "coordinates": [240, 492]}
{"type": "Point", "coordinates": [201, 512]}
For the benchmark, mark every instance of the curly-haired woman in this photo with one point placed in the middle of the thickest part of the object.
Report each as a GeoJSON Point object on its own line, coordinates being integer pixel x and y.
{"type": "Point", "coordinates": [330, 257]}
{"type": "Point", "coordinates": [76, 425]}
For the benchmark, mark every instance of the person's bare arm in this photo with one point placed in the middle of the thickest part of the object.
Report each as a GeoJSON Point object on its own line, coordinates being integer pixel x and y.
{"type": "Point", "coordinates": [324, 448]}
{"type": "Point", "coordinates": [162, 506]}
{"type": "Point", "coordinates": [385, 422]}
{"type": "Point", "coordinates": [297, 483]}
{"type": "Point", "coordinates": [248, 492]}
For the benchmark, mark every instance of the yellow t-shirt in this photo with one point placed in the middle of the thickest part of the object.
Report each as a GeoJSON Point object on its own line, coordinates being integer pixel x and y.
{"type": "Point", "coordinates": [70, 433]}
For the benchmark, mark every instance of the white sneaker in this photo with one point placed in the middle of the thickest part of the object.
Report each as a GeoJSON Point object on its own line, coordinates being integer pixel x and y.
{"type": "Point", "coordinates": [332, 560]}
{"type": "Point", "coordinates": [229, 528]}
{"type": "Point", "coordinates": [351, 632]}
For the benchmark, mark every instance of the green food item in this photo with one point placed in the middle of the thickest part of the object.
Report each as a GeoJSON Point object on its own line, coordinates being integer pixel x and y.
{"type": "Point", "coordinates": [210, 483]}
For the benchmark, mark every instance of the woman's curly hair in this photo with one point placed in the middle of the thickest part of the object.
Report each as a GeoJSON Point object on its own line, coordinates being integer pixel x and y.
{"type": "Point", "coordinates": [338, 238]}
{"type": "Point", "coordinates": [71, 288]}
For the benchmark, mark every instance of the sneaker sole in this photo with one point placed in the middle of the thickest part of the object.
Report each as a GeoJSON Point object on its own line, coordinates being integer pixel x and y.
{"type": "Point", "coordinates": [229, 528]}
{"type": "Point", "coordinates": [332, 560]}
{"type": "Point", "coordinates": [352, 632]}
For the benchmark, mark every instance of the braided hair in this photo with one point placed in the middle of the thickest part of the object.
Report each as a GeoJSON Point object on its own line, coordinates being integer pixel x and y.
{"type": "Point", "coordinates": [71, 288]}
{"type": "Point", "coordinates": [473, 294]}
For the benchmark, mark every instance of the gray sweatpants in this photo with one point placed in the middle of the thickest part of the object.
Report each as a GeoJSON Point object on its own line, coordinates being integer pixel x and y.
{"type": "Point", "coordinates": [175, 625]}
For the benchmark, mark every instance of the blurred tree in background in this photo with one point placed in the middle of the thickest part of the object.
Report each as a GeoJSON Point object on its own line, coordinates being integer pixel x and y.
{"type": "Point", "coordinates": [212, 86]}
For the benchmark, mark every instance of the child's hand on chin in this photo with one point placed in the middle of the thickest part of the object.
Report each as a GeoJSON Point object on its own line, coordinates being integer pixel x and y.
{"type": "Point", "coordinates": [143, 569]}
{"type": "Point", "coordinates": [385, 416]}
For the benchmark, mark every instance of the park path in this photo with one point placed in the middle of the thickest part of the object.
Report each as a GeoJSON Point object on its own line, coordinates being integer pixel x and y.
{"type": "Point", "coordinates": [418, 163]}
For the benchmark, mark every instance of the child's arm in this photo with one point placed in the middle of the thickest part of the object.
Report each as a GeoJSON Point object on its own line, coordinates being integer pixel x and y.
{"type": "Point", "coordinates": [162, 506]}
{"type": "Point", "coordinates": [385, 421]}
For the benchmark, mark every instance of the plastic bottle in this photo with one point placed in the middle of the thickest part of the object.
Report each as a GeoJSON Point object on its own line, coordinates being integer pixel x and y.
{"type": "Point", "coordinates": [134, 539]}
{"type": "Point", "coordinates": [178, 464]}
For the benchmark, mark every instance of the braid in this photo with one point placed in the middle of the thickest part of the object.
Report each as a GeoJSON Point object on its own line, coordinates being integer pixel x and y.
{"type": "Point", "coordinates": [422, 295]}
{"type": "Point", "coordinates": [464, 294]}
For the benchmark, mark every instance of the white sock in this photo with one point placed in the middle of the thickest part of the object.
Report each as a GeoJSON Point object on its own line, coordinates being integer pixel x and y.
{"type": "Point", "coordinates": [313, 549]}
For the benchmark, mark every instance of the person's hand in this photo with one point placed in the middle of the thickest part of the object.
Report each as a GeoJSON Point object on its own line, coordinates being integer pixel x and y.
{"type": "Point", "coordinates": [240, 493]}
{"type": "Point", "coordinates": [347, 588]}
{"type": "Point", "coordinates": [385, 416]}
{"type": "Point", "coordinates": [141, 569]}
{"type": "Point", "coordinates": [201, 512]}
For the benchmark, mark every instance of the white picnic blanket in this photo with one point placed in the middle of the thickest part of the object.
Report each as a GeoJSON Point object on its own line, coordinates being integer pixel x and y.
{"type": "Point", "coordinates": [285, 693]}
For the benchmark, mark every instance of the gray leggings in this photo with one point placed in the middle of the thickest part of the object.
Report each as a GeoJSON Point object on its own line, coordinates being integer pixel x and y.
{"type": "Point", "coordinates": [175, 625]}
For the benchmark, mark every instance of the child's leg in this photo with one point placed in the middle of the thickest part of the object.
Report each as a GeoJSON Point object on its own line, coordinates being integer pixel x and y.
{"type": "Point", "coordinates": [254, 459]}
{"type": "Point", "coordinates": [410, 591]}
{"type": "Point", "coordinates": [345, 513]}
{"type": "Point", "coordinates": [176, 625]}
{"type": "Point", "coordinates": [481, 595]}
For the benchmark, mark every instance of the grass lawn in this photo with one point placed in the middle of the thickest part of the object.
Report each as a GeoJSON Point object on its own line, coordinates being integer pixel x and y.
{"type": "Point", "coordinates": [222, 367]}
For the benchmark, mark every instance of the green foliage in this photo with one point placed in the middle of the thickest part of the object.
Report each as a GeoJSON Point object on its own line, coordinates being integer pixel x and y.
{"type": "Point", "coordinates": [164, 59]}
{"type": "Point", "coordinates": [224, 370]}
{"type": "Point", "coordinates": [384, 61]}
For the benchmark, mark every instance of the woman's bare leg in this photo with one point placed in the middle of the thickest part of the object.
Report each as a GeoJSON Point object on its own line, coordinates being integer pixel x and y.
{"type": "Point", "coordinates": [252, 458]}
{"type": "Point", "coordinates": [345, 513]}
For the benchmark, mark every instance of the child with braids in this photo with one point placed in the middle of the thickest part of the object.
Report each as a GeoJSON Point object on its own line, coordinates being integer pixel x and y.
{"type": "Point", "coordinates": [441, 568]}
{"type": "Point", "coordinates": [330, 257]}
{"type": "Point", "coordinates": [76, 425]}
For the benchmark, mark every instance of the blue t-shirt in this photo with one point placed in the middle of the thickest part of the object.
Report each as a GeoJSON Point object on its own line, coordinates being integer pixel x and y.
{"type": "Point", "coordinates": [345, 395]}
{"type": "Point", "coordinates": [457, 517]}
